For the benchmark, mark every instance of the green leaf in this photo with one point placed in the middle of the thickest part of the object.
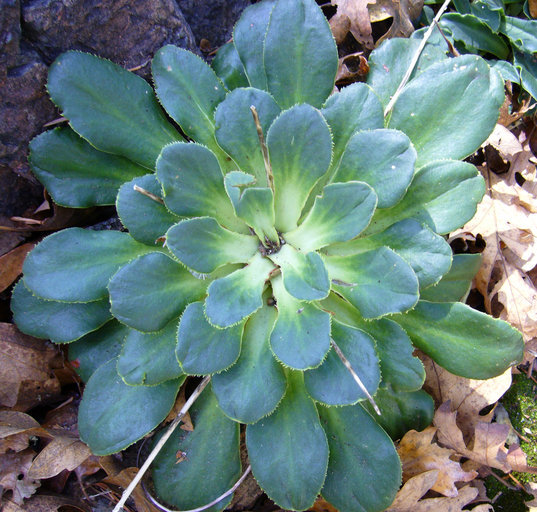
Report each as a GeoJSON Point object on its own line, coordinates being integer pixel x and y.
{"type": "Point", "coordinates": [115, 110]}
{"type": "Point", "coordinates": [236, 131]}
{"type": "Point", "coordinates": [439, 112]}
{"type": "Point", "coordinates": [341, 213]}
{"type": "Point", "coordinates": [427, 253]}
{"type": "Point", "coordinates": [383, 159]}
{"type": "Point", "coordinates": [490, 11]}
{"type": "Point", "coordinates": [474, 34]}
{"type": "Point", "coordinates": [377, 282]}
{"type": "Point", "coordinates": [237, 295]}
{"type": "Point", "coordinates": [204, 245]}
{"type": "Point", "coordinates": [203, 349]}
{"type": "Point", "coordinates": [389, 62]}
{"type": "Point", "coordinates": [456, 283]}
{"type": "Point", "coordinates": [443, 195]}
{"type": "Point", "coordinates": [193, 184]}
{"type": "Point", "coordinates": [146, 219]}
{"type": "Point", "coordinates": [304, 275]}
{"type": "Point", "coordinates": [462, 340]}
{"type": "Point", "coordinates": [152, 290]}
{"type": "Point", "coordinates": [301, 336]}
{"type": "Point", "coordinates": [288, 450]}
{"type": "Point", "coordinates": [110, 418]}
{"type": "Point", "coordinates": [254, 385]}
{"type": "Point", "coordinates": [189, 90]}
{"type": "Point", "coordinates": [300, 150]}
{"type": "Point", "coordinates": [332, 383]}
{"type": "Point", "coordinates": [75, 265]}
{"type": "Point", "coordinates": [75, 173]}
{"type": "Point", "coordinates": [300, 54]}
{"type": "Point", "coordinates": [149, 358]}
{"type": "Point", "coordinates": [211, 463]}
{"type": "Point", "coordinates": [506, 69]}
{"type": "Point", "coordinates": [522, 33]}
{"type": "Point", "coordinates": [249, 38]}
{"type": "Point", "coordinates": [353, 109]}
{"type": "Point", "coordinates": [96, 348]}
{"type": "Point", "coordinates": [256, 207]}
{"type": "Point", "coordinates": [527, 66]}
{"type": "Point", "coordinates": [58, 321]}
{"type": "Point", "coordinates": [402, 411]}
{"type": "Point", "coordinates": [364, 471]}
{"type": "Point", "coordinates": [228, 67]}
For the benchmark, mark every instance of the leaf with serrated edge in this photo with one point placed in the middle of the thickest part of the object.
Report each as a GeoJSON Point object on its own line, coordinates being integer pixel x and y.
{"type": "Point", "coordinates": [203, 349]}
{"type": "Point", "coordinates": [228, 67]}
{"type": "Point", "coordinates": [169, 285]}
{"type": "Point", "coordinates": [204, 245]}
{"type": "Point", "coordinates": [332, 383]}
{"type": "Point", "coordinates": [237, 295]}
{"type": "Point", "coordinates": [115, 110]}
{"type": "Point", "coordinates": [149, 358]}
{"type": "Point", "coordinates": [109, 418]}
{"type": "Point", "coordinates": [254, 385]}
{"type": "Point", "coordinates": [256, 208]}
{"type": "Point", "coordinates": [301, 336]}
{"type": "Point", "coordinates": [288, 450]}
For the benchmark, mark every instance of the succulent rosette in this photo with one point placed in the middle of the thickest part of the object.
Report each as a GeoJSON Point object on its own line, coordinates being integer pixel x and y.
{"type": "Point", "coordinates": [300, 235]}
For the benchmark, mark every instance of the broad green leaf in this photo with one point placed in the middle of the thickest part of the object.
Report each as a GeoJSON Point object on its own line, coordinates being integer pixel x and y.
{"type": "Point", "coordinates": [353, 109]}
{"type": "Point", "coordinates": [301, 337]}
{"type": "Point", "coordinates": [339, 214]}
{"type": "Point", "coordinates": [300, 54]}
{"type": "Point", "coordinates": [189, 90]}
{"type": "Point", "coordinates": [115, 110]}
{"type": "Point", "coordinates": [332, 383]}
{"type": "Point", "coordinates": [389, 62]}
{"type": "Point", "coordinates": [288, 450]}
{"type": "Point", "coordinates": [113, 415]}
{"type": "Point", "coordinates": [193, 183]}
{"type": "Point", "coordinates": [439, 112]}
{"type": "Point", "coordinates": [527, 66]}
{"type": "Point", "coordinates": [203, 349]}
{"type": "Point", "coordinates": [237, 295]}
{"type": "Point", "coordinates": [76, 174]}
{"type": "Point", "coordinates": [300, 150]}
{"type": "Point", "coordinates": [235, 182]}
{"type": "Point", "coordinates": [402, 411]}
{"type": "Point", "coordinates": [506, 69]}
{"type": "Point", "coordinates": [249, 37]}
{"type": "Point", "coordinates": [75, 265]}
{"type": "Point", "coordinates": [377, 282]}
{"type": "Point", "coordinates": [152, 290]}
{"type": "Point", "coordinates": [474, 34]}
{"type": "Point", "coordinates": [254, 385]}
{"type": "Point", "coordinates": [149, 358]}
{"type": "Point", "coordinates": [443, 195]}
{"type": "Point", "coordinates": [464, 341]}
{"type": "Point", "coordinates": [522, 33]}
{"type": "Point", "coordinates": [59, 322]}
{"type": "Point", "coordinates": [364, 471]}
{"type": "Point", "coordinates": [236, 131]}
{"type": "Point", "coordinates": [228, 67]}
{"type": "Point", "coordinates": [456, 283]}
{"type": "Point", "coordinates": [304, 274]}
{"type": "Point", "coordinates": [427, 253]}
{"type": "Point", "coordinates": [398, 366]}
{"type": "Point", "coordinates": [256, 208]}
{"type": "Point", "coordinates": [490, 11]}
{"type": "Point", "coordinates": [211, 464]}
{"type": "Point", "coordinates": [146, 219]}
{"type": "Point", "coordinates": [204, 245]}
{"type": "Point", "coordinates": [96, 348]}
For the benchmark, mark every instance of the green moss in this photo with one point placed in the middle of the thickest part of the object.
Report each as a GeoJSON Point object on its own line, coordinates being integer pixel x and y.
{"type": "Point", "coordinates": [506, 500]}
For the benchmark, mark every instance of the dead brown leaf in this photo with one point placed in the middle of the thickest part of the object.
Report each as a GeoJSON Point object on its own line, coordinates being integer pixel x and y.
{"type": "Point", "coordinates": [351, 68]}
{"type": "Point", "coordinates": [45, 503]}
{"type": "Point", "coordinates": [14, 475]}
{"type": "Point", "coordinates": [186, 423]}
{"type": "Point", "coordinates": [340, 24]}
{"type": "Point", "coordinates": [11, 265]}
{"type": "Point", "coordinates": [402, 12]}
{"type": "Point", "coordinates": [532, 4]}
{"type": "Point", "coordinates": [358, 15]}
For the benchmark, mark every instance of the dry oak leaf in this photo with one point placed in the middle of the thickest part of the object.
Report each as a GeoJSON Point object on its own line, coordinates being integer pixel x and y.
{"type": "Point", "coordinates": [46, 503]}
{"type": "Point", "coordinates": [420, 454]}
{"type": "Point", "coordinates": [26, 369]}
{"type": "Point", "coordinates": [11, 265]}
{"type": "Point", "coordinates": [467, 396]}
{"type": "Point", "coordinates": [358, 15]}
{"type": "Point", "coordinates": [402, 12]}
{"type": "Point", "coordinates": [14, 475]}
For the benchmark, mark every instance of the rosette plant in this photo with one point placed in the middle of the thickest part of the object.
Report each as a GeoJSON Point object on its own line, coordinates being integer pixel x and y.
{"type": "Point", "coordinates": [292, 249]}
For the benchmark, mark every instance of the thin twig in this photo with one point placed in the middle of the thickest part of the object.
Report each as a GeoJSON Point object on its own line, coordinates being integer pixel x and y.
{"type": "Point", "coordinates": [146, 193]}
{"type": "Point", "coordinates": [208, 505]}
{"type": "Point", "coordinates": [416, 56]}
{"type": "Point", "coordinates": [264, 150]}
{"type": "Point", "coordinates": [347, 364]}
{"type": "Point", "coordinates": [173, 425]}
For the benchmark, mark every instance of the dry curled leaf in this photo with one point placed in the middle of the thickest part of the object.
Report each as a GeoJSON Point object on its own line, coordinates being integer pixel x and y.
{"type": "Point", "coordinates": [402, 12]}
{"type": "Point", "coordinates": [11, 265]}
{"type": "Point", "coordinates": [358, 15]}
{"type": "Point", "coordinates": [14, 475]}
